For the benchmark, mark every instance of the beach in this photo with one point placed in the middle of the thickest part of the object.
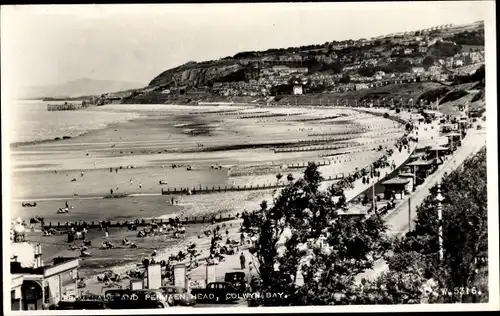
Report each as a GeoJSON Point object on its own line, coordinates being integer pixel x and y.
{"type": "Point", "coordinates": [183, 147]}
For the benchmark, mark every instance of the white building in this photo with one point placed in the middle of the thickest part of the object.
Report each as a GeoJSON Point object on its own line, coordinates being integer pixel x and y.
{"type": "Point", "coordinates": [297, 89]}
{"type": "Point", "coordinates": [418, 70]}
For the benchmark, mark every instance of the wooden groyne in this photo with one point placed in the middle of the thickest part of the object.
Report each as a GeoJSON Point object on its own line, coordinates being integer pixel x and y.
{"type": "Point", "coordinates": [305, 164]}
{"type": "Point", "coordinates": [141, 222]}
{"type": "Point", "coordinates": [66, 107]}
{"type": "Point", "coordinates": [316, 148]}
{"type": "Point", "coordinates": [234, 188]}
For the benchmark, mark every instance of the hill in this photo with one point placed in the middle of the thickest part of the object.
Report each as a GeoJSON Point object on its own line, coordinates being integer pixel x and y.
{"type": "Point", "coordinates": [437, 54]}
{"type": "Point", "coordinates": [79, 88]}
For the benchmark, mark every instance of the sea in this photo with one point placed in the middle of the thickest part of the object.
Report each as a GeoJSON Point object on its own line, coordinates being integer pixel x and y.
{"type": "Point", "coordinates": [30, 121]}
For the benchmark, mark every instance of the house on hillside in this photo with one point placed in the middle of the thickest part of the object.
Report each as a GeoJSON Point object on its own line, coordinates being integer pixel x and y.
{"type": "Point", "coordinates": [458, 63]}
{"type": "Point", "coordinates": [298, 89]}
{"type": "Point", "coordinates": [418, 70]}
{"type": "Point", "coordinates": [379, 75]}
{"type": "Point", "coordinates": [422, 49]}
{"type": "Point", "coordinates": [361, 86]}
{"type": "Point", "coordinates": [408, 51]}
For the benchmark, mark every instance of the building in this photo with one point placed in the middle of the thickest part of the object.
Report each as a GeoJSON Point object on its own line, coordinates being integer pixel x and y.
{"type": "Point", "coordinates": [408, 51]}
{"type": "Point", "coordinates": [361, 86]}
{"type": "Point", "coordinates": [458, 63]}
{"type": "Point", "coordinates": [34, 284]}
{"type": "Point", "coordinates": [297, 89]}
{"type": "Point", "coordinates": [418, 70]}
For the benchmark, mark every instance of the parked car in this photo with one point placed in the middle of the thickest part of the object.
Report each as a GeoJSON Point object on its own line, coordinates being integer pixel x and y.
{"type": "Point", "coordinates": [221, 292]}
{"type": "Point", "coordinates": [135, 299]}
{"type": "Point", "coordinates": [237, 279]}
{"type": "Point", "coordinates": [178, 296]}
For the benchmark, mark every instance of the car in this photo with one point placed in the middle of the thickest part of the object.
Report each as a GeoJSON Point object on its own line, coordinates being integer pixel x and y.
{"type": "Point", "coordinates": [237, 279]}
{"type": "Point", "coordinates": [178, 296]}
{"type": "Point", "coordinates": [135, 299]}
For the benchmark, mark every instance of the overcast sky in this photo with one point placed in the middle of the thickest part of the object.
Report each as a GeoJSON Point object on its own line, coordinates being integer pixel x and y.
{"type": "Point", "coordinates": [55, 44]}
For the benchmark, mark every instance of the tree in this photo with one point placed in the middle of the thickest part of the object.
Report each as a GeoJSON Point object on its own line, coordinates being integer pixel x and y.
{"type": "Point", "coordinates": [302, 232]}
{"type": "Point", "coordinates": [345, 79]}
{"type": "Point", "coordinates": [428, 61]}
{"type": "Point", "coordinates": [290, 177]}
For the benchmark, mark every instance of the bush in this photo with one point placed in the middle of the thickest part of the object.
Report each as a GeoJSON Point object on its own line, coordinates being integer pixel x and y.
{"type": "Point", "coordinates": [454, 95]}
{"type": "Point", "coordinates": [432, 95]}
{"type": "Point", "coordinates": [398, 110]}
{"type": "Point", "coordinates": [479, 127]}
{"type": "Point", "coordinates": [386, 115]}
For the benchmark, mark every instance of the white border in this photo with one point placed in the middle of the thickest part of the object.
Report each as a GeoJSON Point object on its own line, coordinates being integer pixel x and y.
{"type": "Point", "coordinates": [492, 163]}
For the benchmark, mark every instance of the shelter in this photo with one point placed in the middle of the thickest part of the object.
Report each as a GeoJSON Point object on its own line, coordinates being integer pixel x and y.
{"type": "Point", "coordinates": [439, 152]}
{"type": "Point", "coordinates": [399, 186]}
{"type": "Point", "coordinates": [421, 169]}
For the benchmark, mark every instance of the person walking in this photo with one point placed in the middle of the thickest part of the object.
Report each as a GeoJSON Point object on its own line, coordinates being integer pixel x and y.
{"type": "Point", "coordinates": [107, 232]}
{"type": "Point", "coordinates": [242, 261]}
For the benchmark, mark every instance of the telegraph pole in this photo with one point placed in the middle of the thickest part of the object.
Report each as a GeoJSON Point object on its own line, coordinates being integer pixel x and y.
{"type": "Point", "coordinates": [373, 197]}
{"type": "Point", "coordinates": [440, 199]}
{"type": "Point", "coordinates": [409, 214]}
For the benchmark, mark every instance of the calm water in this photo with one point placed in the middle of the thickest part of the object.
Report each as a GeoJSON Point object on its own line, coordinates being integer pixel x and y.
{"type": "Point", "coordinates": [30, 121]}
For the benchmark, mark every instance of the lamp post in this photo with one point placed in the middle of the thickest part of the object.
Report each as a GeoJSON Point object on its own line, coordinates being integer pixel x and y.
{"type": "Point", "coordinates": [439, 199]}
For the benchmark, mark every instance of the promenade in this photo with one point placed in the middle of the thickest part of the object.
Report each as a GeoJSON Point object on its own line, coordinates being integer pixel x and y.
{"type": "Point", "coordinates": [397, 220]}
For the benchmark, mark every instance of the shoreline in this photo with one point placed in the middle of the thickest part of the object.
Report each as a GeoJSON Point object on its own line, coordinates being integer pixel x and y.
{"type": "Point", "coordinates": [88, 131]}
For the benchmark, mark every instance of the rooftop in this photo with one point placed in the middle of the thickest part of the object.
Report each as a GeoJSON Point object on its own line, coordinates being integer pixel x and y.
{"type": "Point", "coordinates": [420, 163]}
{"type": "Point", "coordinates": [437, 148]}
{"type": "Point", "coordinates": [396, 181]}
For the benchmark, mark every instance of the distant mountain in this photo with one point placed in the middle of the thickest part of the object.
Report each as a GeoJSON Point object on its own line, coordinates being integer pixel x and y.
{"type": "Point", "coordinates": [80, 87]}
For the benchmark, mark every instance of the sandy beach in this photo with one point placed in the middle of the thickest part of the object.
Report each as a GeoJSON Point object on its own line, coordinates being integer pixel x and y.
{"type": "Point", "coordinates": [210, 146]}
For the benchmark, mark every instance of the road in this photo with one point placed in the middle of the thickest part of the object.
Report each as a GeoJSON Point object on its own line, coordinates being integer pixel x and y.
{"type": "Point", "coordinates": [398, 219]}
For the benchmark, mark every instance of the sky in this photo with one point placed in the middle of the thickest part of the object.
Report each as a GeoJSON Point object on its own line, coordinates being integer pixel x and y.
{"type": "Point", "coordinates": [43, 45]}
